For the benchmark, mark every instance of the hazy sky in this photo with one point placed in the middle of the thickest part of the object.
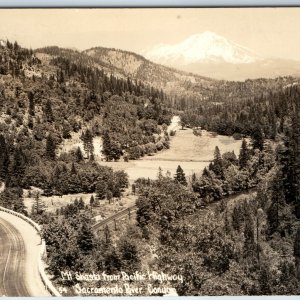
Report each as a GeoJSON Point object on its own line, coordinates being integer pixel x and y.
{"type": "Point", "coordinates": [271, 32]}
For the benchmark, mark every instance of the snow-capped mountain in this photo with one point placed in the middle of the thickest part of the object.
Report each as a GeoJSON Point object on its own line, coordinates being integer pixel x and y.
{"type": "Point", "coordinates": [209, 54]}
{"type": "Point", "coordinates": [205, 47]}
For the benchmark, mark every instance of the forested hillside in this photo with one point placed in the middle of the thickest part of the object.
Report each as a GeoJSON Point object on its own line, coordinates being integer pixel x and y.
{"type": "Point", "coordinates": [44, 103]}
{"type": "Point", "coordinates": [268, 113]}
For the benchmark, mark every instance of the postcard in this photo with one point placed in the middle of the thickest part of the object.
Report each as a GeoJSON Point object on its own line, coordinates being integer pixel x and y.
{"type": "Point", "coordinates": [150, 152]}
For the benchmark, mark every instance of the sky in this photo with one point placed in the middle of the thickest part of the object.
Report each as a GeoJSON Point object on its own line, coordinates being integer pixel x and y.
{"type": "Point", "coordinates": [270, 32]}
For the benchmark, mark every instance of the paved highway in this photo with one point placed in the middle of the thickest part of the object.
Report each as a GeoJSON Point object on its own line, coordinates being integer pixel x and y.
{"type": "Point", "coordinates": [20, 246]}
{"type": "Point", "coordinates": [12, 262]}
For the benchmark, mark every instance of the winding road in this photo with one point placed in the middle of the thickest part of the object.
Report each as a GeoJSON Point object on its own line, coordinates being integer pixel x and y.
{"type": "Point", "coordinates": [20, 247]}
{"type": "Point", "coordinates": [12, 263]}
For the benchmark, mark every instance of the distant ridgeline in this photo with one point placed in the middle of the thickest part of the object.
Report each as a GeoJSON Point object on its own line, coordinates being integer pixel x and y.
{"type": "Point", "coordinates": [184, 90]}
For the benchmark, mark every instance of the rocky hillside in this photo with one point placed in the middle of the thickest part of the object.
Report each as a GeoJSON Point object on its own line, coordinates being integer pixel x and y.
{"type": "Point", "coordinates": [136, 66]}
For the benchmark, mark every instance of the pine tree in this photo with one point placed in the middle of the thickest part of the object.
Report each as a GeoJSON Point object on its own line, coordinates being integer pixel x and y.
{"type": "Point", "coordinates": [50, 148]}
{"type": "Point", "coordinates": [4, 158]}
{"type": "Point", "coordinates": [31, 103]}
{"type": "Point", "coordinates": [295, 159]}
{"type": "Point", "coordinates": [284, 155]}
{"type": "Point", "coordinates": [129, 255]}
{"type": "Point", "coordinates": [79, 155]}
{"type": "Point", "coordinates": [297, 244]}
{"type": "Point", "coordinates": [80, 203]}
{"type": "Point", "coordinates": [106, 145]}
{"type": "Point", "coordinates": [277, 202]}
{"type": "Point", "coordinates": [107, 235]}
{"type": "Point", "coordinates": [88, 145]}
{"type": "Point", "coordinates": [39, 206]}
{"type": "Point", "coordinates": [16, 169]}
{"type": "Point", "coordinates": [30, 122]}
{"type": "Point", "coordinates": [226, 222]}
{"type": "Point", "coordinates": [111, 149]}
{"type": "Point", "coordinates": [206, 173]}
{"type": "Point", "coordinates": [66, 131]}
{"type": "Point", "coordinates": [257, 137]}
{"type": "Point", "coordinates": [133, 188]}
{"type": "Point", "coordinates": [76, 202]}
{"type": "Point", "coordinates": [289, 158]}
{"type": "Point", "coordinates": [48, 111]}
{"type": "Point", "coordinates": [264, 281]}
{"type": "Point", "coordinates": [237, 218]}
{"type": "Point", "coordinates": [109, 196]}
{"type": "Point", "coordinates": [244, 155]}
{"type": "Point", "coordinates": [160, 174]}
{"type": "Point", "coordinates": [12, 198]}
{"type": "Point", "coordinates": [92, 201]}
{"type": "Point", "coordinates": [217, 165]}
{"type": "Point", "coordinates": [180, 176]}
{"type": "Point", "coordinates": [73, 169]}
{"type": "Point", "coordinates": [249, 248]}
{"type": "Point", "coordinates": [194, 178]}
{"type": "Point", "coordinates": [60, 76]}
{"type": "Point", "coordinates": [101, 189]}
{"type": "Point", "coordinates": [85, 239]}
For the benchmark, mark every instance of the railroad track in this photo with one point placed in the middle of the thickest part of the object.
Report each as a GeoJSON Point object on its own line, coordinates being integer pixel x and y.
{"type": "Point", "coordinates": [128, 212]}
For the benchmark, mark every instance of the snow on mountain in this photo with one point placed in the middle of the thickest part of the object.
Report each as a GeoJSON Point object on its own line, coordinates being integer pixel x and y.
{"type": "Point", "coordinates": [205, 47]}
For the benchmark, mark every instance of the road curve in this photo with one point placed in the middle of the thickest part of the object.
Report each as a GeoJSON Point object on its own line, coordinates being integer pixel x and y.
{"type": "Point", "coordinates": [20, 247]}
{"type": "Point", "coordinates": [12, 249]}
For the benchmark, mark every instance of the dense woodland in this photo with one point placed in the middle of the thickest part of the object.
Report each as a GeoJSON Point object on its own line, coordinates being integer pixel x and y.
{"type": "Point", "coordinates": [267, 113]}
{"type": "Point", "coordinates": [44, 103]}
{"type": "Point", "coordinates": [234, 230]}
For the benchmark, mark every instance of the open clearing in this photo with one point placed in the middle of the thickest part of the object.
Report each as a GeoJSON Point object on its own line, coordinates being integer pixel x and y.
{"type": "Point", "coordinates": [191, 152]}
{"type": "Point", "coordinates": [102, 211]}
{"type": "Point", "coordinates": [75, 142]}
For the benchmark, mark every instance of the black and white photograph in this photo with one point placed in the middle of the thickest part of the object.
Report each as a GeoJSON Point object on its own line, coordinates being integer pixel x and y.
{"type": "Point", "coordinates": [150, 152]}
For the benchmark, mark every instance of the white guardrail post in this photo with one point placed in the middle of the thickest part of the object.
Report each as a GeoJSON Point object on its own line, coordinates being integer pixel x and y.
{"type": "Point", "coordinates": [47, 283]}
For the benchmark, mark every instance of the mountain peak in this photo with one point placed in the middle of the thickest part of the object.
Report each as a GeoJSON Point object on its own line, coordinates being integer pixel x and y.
{"type": "Point", "coordinates": [202, 47]}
